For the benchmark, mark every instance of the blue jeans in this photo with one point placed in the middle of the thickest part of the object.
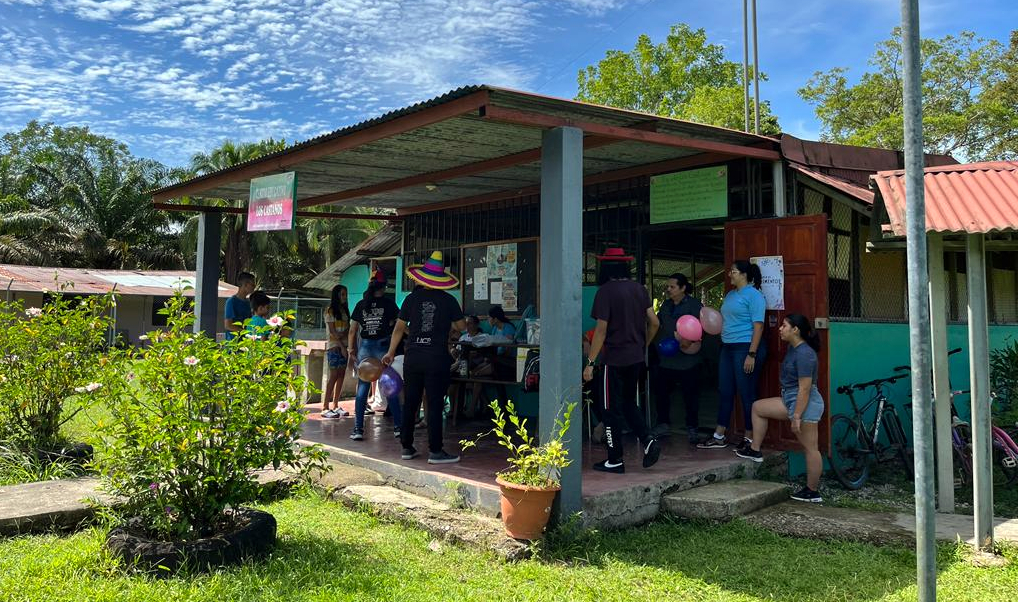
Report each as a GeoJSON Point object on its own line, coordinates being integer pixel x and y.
{"type": "Point", "coordinates": [377, 349]}
{"type": "Point", "coordinates": [732, 378]}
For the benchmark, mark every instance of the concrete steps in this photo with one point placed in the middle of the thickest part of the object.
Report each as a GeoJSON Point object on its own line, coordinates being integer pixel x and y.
{"type": "Point", "coordinates": [725, 500]}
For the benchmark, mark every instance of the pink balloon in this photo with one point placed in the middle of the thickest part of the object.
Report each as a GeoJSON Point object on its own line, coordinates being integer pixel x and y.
{"type": "Point", "coordinates": [689, 328]}
{"type": "Point", "coordinates": [692, 349]}
{"type": "Point", "coordinates": [711, 321]}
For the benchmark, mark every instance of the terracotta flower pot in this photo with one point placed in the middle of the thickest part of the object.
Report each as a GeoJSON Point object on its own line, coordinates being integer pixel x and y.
{"type": "Point", "coordinates": [526, 509]}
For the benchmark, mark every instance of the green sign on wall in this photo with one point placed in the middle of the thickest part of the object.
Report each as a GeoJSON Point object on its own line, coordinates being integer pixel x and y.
{"type": "Point", "coordinates": [689, 195]}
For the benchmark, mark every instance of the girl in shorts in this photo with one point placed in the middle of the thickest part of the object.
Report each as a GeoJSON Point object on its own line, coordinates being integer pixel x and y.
{"type": "Point", "coordinates": [337, 319]}
{"type": "Point", "coordinates": [800, 402]}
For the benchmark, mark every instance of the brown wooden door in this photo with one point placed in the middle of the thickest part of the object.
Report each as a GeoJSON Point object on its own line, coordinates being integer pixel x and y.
{"type": "Point", "coordinates": [802, 243]}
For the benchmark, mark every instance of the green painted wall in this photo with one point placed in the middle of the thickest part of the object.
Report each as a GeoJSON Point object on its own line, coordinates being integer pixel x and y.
{"type": "Point", "coordinates": [862, 351]}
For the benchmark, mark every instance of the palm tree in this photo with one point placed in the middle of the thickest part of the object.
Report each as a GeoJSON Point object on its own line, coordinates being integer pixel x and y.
{"type": "Point", "coordinates": [27, 234]}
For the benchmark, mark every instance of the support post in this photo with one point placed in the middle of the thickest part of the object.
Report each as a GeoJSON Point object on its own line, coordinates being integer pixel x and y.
{"type": "Point", "coordinates": [206, 285]}
{"type": "Point", "coordinates": [561, 299]}
{"type": "Point", "coordinates": [941, 373]}
{"type": "Point", "coordinates": [918, 306]}
{"type": "Point", "coordinates": [778, 184]}
{"type": "Point", "coordinates": [979, 362]}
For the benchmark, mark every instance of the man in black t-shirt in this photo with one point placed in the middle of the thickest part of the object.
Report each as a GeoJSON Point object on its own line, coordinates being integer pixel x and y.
{"type": "Point", "coordinates": [373, 317]}
{"type": "Point", "coordinates": [427, 317]}
{"type": "Point", "coordinates": [625, 323]}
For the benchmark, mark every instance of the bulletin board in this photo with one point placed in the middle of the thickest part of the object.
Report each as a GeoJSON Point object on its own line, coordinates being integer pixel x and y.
{"type": "Point", "coordinates": [505, 273]}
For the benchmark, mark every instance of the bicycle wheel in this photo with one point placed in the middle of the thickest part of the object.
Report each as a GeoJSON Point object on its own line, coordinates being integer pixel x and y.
{"type": "Point", "coordinates": [904, 452]}
{"type": "Point", "coordinates": [1005, 459]}
{"type": "Point", "coordinates": [961, 444]}
{"type": "Point", "coordinates": [850, 454]}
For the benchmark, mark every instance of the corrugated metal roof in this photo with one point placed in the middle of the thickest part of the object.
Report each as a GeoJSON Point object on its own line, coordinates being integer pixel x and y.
{"type": "Point", "coordinates": [971, 198]}
{"type": "Point", "coordinates": [82, 281]}
{"type": "Point", "coordinates": [458, 141]}
{"type": "Point", "coordinates": [843, 186]}
{"type": "Point", "coordinates": [386, 241]}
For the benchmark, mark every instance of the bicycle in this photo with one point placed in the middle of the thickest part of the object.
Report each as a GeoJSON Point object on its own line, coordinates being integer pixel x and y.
{"type": "Point", "coordinates": [856, 446]}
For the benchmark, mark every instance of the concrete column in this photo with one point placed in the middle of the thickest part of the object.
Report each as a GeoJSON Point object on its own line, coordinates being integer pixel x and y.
{"type": "Point", "coordinates": [941, 374]}
{"type": "Point", "coordinates": [780, 204]}
{"type": "Point", "coordinates": [979, 362]}
{"type": "Point", "coordinates": [561, 299]}
{"type": "Point", "coordinates": [206, 285]}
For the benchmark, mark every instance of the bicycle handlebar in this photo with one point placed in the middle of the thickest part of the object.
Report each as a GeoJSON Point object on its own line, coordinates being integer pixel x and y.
{"type": "Point", "coordinates": [909, 368]}
{"type": "Point", "coordinates": [844, 389]}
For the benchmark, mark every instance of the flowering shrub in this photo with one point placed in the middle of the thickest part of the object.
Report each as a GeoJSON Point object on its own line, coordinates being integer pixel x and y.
{"type": "Point", "coordinates": [191, 419]}
{"type": "Point", "coordinates": [47, 355]}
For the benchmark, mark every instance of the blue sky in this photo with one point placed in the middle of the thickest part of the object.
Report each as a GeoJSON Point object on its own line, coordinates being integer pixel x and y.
{"type": "Point", "coordinates": [175, 77]}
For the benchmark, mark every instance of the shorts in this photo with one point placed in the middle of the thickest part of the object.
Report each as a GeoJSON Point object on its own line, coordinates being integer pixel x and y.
{"type": "Point", "coordinates": [814, 409]}
{"type": "Point", "coordinates": [336, 358]}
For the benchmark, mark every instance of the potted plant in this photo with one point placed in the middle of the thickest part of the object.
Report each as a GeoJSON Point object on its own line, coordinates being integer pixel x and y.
{"type": "Point", "coordinates": [48, 356]}
{"type": "Point", "coordinates": [529, 485]}
{"type": "Point", "coordinates": [190, 421]}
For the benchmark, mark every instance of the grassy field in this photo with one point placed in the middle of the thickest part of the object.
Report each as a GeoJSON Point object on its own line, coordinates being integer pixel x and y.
{"type": "Point", "coordinates": [327, 552]}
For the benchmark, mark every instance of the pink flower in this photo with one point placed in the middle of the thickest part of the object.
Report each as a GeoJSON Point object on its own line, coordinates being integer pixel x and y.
{"type": "Point", "coordinates": [276, 321]}
{"type": "Point", "coordinates": [282, 406]}
{"type": "Point", "coordinates": [190, 361]}
{"type": "Point", "coordinates": [33, 312]}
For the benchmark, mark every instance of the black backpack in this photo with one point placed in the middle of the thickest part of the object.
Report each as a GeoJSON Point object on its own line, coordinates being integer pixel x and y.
{"type": "Point", "coordinates": [532, 371]}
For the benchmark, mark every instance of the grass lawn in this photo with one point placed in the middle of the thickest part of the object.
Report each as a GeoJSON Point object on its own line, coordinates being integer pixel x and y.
{"type": "Point", "coordinates": [327, 552]}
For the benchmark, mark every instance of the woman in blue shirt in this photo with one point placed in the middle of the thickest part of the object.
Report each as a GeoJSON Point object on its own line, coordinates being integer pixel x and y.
{"type": "Point", "coordinates": [800, 402]}
{"type": "Point", "coordinates": [741, 352]}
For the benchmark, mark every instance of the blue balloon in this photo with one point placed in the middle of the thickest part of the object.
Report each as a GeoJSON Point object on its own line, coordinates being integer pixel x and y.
{"type": "Point", "coordinates": [390, 382]}
{"type": "Point", "coordinates": [668, 347]}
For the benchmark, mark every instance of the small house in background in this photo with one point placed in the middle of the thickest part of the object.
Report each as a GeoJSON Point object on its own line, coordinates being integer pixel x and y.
{"type": "Point", "coordinates": [380, 251]}
{"type": "Point", "coordinates": [141, 293]}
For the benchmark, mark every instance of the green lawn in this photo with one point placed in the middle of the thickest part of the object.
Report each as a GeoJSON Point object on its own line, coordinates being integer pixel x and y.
{"type": "Point", "coordinates": [327, 552]}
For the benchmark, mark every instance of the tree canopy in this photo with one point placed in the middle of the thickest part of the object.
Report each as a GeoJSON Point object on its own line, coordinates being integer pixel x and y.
{"type": "Point", "coordinates": [685, 77]}
{"type": "Point", "coordinates": [970, 98]}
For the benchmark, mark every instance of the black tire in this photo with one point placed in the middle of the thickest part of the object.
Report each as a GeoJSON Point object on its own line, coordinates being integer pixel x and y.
{"type": "Point", "coordinates": [1005, 460]}
{"type": "Point", "coordinates": [850, 457]}
{"type": "Point", "coordinates": [905, 453]}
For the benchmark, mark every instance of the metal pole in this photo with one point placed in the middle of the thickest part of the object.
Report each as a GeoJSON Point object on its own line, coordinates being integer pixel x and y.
{"type": "Point", "coordinates": [979, 362]}
{"type": "Point", "coordinates": [745, 59]}
{"type": "Point", "coordinates": [756, 77]}
{"type": "Point", "coordinates": [918, 307]}
{"type": "Point", "coordinates": [9, 285]}
{"type": "Point", "coordinates": [941, 374]}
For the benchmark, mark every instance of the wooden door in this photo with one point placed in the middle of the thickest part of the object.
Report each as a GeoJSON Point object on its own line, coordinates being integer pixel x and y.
{"type": "Point", "coordinates": [802, 243]}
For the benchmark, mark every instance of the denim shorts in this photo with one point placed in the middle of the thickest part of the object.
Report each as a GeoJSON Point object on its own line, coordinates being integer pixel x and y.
{"type": "Point", "coordinates": [336, 358]}
{"type": "Point", "coordinates": [814, 409]}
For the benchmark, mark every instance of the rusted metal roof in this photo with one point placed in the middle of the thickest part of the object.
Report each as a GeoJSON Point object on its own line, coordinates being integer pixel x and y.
{"type": "Point", "coordinates": [971, 198]}
{"type": "Point", "coordinates": [79, 281]}
{"type": "Point", "coordinates": [850, 189]}
{"type": "Point", "coordinates": [385, 242]}
{"type": "Point", "coordinates": [471, 142]}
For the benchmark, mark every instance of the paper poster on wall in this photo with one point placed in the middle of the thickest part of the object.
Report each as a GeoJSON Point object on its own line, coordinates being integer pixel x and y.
{"type": "Point", "coordinates": [496, 292]}
{"type": "Point", "coordinates": [772, 269]}
{"type": "Point", "coordinates": [492, 258]}
{"type": "Point", "coordinates": [480, 284]}
{"type": "Point", "coordinates": [509, 253]}
{"type": "Point", "coordinates": [502, 261]}
{"type": "Point", "coordinates": [509, 299]}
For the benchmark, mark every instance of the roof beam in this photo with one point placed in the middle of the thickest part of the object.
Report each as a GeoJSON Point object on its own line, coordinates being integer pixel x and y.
{"type": "Point", "coordinates": [243, 211]}
{"type": "Point", "coordinates": [521, 158]}
{"type": "Point", "coordinates": [285, 159]}
{"type": "Point", "coordinates": [625, 133]}
{"type": "Point", "coordinates": [600, 178]}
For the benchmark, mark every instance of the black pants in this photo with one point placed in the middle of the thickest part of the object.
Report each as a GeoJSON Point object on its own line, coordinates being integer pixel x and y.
{"type": "Point", "coordinates": [420, 377]}
{"type": "Point", "coordinates": [663, 381]}
{"type": "Point", "coordinates": [618, 387]}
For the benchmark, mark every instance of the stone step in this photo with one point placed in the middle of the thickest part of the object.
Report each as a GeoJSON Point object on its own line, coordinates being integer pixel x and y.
{"type": "Point", "coordinates": [725, 500]}
{"type": "Point", "coordinates": [37, 507]}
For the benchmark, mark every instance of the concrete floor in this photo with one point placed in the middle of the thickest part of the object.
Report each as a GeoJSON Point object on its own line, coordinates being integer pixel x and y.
{"type": "Point", "coordinates": [609, 500]}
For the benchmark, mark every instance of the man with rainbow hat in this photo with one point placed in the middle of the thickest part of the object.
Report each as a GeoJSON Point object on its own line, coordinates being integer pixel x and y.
{"type": "Point", "coordinates": [427, 317]}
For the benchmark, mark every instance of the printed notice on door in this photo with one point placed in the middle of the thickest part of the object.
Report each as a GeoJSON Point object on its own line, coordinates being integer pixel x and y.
{"type": "Point", "coordinates": [772, 269]}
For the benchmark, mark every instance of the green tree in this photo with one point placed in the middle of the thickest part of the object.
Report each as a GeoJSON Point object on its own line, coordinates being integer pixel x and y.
{"type": "Point", "coordinates": [684, 77]}
{"type": "Point", "coordinates": [28, 235]}
{"type": "Point", "coordinates": [1001, 102]}
{"type": "Point", "coordinates": [965, 98]}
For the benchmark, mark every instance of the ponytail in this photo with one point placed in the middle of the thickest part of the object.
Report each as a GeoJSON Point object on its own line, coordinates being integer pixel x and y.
{"type": "Point", "coordinates": [751, 270]}
{"type": "Point", "coordinates": [806, 330]}
{"type": "Point", "coordinates": [683, 282]}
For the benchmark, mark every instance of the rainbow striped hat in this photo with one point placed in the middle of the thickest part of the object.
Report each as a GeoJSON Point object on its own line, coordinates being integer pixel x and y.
{"type": "Point", "coordinates": [432, 273]}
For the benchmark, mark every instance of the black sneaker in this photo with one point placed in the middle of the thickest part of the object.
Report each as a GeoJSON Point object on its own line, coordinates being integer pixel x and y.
{"type": "Point", "coordinates": [397, 432]}
{"type": "Point", "coordinates": [409, 453]}
{"type": "Point", "coordinates": [651, 452]}
{"type": "Point", "coordinates": [713, 442]}
{"type": "Point", "coordinates": [807, 495]}
{"type": "Point", "coordinates": [442, 458]}
{"type": "Point", "coordinates": [357, 435]}
{"type": "Point", "coordinates": [749, 453]}
{"type": "Point", "coordinates": [606, 466]}
{"type": "Point", "coordinates": [744, 445]}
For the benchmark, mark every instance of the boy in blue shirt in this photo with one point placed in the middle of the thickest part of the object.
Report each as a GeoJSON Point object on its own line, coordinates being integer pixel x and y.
{"type": "Point", "coordinates": [238, 307]}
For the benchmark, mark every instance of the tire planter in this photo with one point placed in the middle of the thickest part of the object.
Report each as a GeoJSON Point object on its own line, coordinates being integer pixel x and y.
{"type": "Point", "coordinates": [526, 509]}
{"type": "Point", "coordinates": [78, 454]}
{"type": "Point", "coordinates": [253, 535]}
